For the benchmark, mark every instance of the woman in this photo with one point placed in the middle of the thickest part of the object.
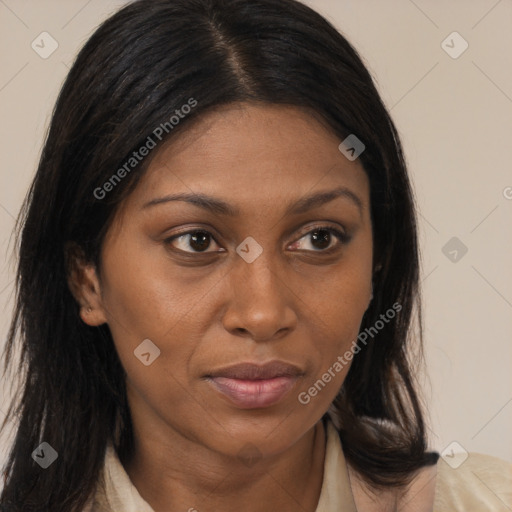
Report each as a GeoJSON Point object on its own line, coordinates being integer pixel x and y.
{"type": "Point", "coordinates": [218, 276]}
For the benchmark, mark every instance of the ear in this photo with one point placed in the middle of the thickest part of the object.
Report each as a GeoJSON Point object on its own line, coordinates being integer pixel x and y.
{"type": "Point", "coordinates": [84, 284]}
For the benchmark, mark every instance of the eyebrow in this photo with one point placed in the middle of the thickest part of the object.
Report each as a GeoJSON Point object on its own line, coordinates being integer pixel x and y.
{"type": "Point", "coordinates": [218, 206]}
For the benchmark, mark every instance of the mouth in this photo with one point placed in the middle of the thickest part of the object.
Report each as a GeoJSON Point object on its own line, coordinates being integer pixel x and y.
{"type": "Point", "coordinates": [253, 386]}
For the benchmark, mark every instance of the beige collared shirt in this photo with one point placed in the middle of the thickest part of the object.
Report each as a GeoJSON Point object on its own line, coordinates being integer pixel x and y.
{"type": "Point", "coordinates": [481, 484]}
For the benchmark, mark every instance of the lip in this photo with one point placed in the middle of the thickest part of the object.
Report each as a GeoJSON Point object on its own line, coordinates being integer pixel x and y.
{"type": "Point", "coordinates": [252, 386]}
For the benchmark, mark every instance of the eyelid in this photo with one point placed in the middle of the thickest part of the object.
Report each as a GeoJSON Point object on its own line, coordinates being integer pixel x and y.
{"type": "Point", "coordinates": [342, 232]}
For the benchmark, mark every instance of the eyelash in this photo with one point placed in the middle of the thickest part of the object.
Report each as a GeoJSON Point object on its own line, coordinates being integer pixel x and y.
{"type": "Point", "coordinates": [342, 237]}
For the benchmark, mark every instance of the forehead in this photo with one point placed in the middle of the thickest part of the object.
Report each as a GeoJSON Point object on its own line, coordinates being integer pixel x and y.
{"type": "Point", "coordinates": [252, 154]}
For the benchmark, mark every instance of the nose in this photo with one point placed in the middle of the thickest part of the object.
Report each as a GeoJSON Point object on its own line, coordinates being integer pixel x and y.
{"type": "Point", "coordinates": [261, 304]}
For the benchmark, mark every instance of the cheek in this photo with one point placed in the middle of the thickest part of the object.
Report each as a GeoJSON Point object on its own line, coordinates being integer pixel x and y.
{"type": "Point", "coordinates": [338, 328]}
{"type": "Point", "coordinates": [345, 297]}
{"type": "Point", "coordinates": [149, 316]}
{"type": "Point", "coordinates": [338, 308]}
{"type": "Point", "coordinates": [144, 295]}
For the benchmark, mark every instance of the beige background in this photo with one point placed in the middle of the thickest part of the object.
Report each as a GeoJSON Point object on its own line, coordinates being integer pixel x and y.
{"type": "Point", "coordinates": [454, 116]}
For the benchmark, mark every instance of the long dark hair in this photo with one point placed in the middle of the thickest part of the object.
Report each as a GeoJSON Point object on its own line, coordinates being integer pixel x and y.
{"type": "Point", "coordinates": [149, 59]}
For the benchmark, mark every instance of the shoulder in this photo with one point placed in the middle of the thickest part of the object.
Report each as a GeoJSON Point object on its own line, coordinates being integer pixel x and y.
{"type": "Point", "coordinates": [479, 480]}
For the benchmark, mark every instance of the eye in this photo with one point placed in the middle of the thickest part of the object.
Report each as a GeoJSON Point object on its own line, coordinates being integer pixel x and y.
{"type": "Point", "coordinates": [321, 237]}
{"type": "Point", "coordinates": [199, 240]}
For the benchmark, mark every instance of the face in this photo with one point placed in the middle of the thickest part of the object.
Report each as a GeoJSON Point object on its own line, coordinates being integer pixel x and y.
{"type": "Point", "coordinates": [246, 267]}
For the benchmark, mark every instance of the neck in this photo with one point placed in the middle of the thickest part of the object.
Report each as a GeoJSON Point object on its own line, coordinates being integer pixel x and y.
{"type": "Point", "coordinates": [180, 474]}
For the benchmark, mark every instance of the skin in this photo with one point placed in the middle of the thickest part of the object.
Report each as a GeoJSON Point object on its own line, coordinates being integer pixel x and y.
{"type": "Point", "coordinates": [207, 309]}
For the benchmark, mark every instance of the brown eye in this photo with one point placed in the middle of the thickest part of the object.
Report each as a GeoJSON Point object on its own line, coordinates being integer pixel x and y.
{"type": "Point", "coordinates": [321, 238]}
{"type": "Point", "coordinates": [198, 240]}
